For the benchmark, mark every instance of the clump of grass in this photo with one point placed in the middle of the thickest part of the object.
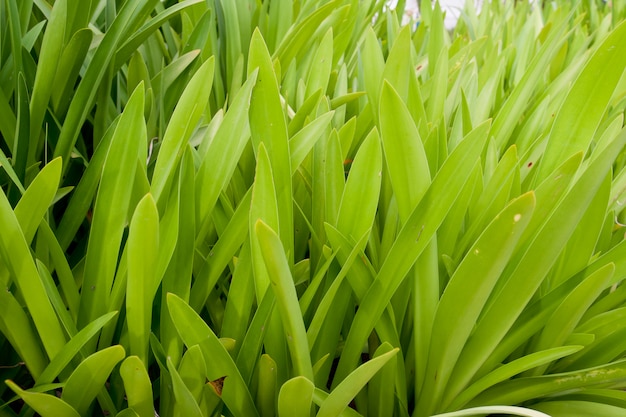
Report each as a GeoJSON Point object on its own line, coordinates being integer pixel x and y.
{"type": "Point", "coordinates": [260, 208]}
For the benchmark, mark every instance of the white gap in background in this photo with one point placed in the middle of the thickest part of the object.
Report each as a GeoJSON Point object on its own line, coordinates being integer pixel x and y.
{"type": "Point", "coordinates": [451, 7]}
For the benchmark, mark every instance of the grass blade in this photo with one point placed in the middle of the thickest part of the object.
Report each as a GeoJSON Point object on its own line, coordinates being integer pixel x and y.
{"type": "Point", "coordinates": [137, 386]}
{"type": "Point", "coordinates": [45, 404]}
{"type": "Point", "coordinates": [143, 249]}
{"type": "Point", "coordinates": [476, 275]}
{"type": "Point", "coordinates": [341, 396]}
{"type": "Point", "coordinates": [412, 240]}
{"type": "Point", "coordinates": [589, 95]}
{"type": "Point", "coordinates": [109, 220]}
{"type": "Point", "coordinates": [286, 299]}
{"type": "Point", "coordinates": [189, 110]}
{"type": "Point", "coordinates": [72, 348]}
{"type": "Point", "coordinates": [193, 330]}
{"type": "Point", "coordinates": [535, 264]}
{"type": "Point", "coordinates": [89, 377]}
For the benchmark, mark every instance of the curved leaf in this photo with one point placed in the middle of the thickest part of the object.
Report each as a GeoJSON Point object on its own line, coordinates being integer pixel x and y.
{"type": "Point", "coordinates": [343, 393]}
{"type": "Point", "coordinates": [286, 298]}
{"type": "Point", "coordinates": [137, 386]}
{"type": "Point", "coordinates": [89, 377]}
{"type": "Point", "coordinates": [194, 331]}
{"type": "Point", "coordinates": [296, 398]}
{"type": "Point", "coordinates": [45, 404]}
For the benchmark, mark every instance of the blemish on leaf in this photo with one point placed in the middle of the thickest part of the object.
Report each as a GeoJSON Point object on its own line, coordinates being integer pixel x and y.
{"type": "Point", "coordinates": [419, 234]}
{"type": "Point", "coordinates": [530, 164]}
{"type": "Point", "coordinates": [218, 385]}
{"type": "Point", "coordinates": [517, 217]}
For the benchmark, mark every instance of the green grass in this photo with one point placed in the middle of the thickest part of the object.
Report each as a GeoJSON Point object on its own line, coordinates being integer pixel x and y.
{"type": "Point", "coordinates": [297, 208]}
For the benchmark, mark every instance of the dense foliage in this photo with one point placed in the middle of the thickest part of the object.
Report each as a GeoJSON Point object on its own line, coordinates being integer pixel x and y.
{"type": "Point", "coordinates": [302, 207]}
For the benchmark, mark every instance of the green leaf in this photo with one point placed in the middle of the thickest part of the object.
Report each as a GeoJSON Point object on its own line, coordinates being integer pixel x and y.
{"type": "Point", "coordinates": [515, 104]}
{"type": "Point", "coordinates": [253, 340]}
{"type": "Point", "coordinates": [589, 95]}
{"type": "Point", "coordinates": [286, 298]}
{"type": "Point", "coordinates": [266, 382]}
{"type": "Point", "coordinates": [127, 412]}
{"type": "Point", "coordinates": [143, 249]}
{"type": "Point", "coordinates": [55, 298]}
{"type": "Point", "coordinates": [304, 140]}
{"type": "Point", "coordinates": [222, 155]}
{"type": "Point", "coordinates": [192, 371]}
{"type": "Point", "coordinates": [37, 198]}
{"type": "Point", "coordinates": [567, 316]}
{"type": "Point", "coordinates": [8, 125]}
{"type": "Point", "coordinates": [495, 195]}
{"type": "Point", "coordinates": [404, 152]}
{"type": "Point", "coordinates": [17, 328]}
{"type": "Point", "coordinates": [372, 57]}
{"type": "Point", "coordinates": [193, 330]}
{"type": "Point", "coordinates": [68, 69]}
{"type": "Point", "coordinates": [300, 35]}
{"type": "Point", "coordinates": [45, 404]}
{"type": "Point", "coordinates": [168, 82]}
{"type": "Point", "coordinates": [410, 243]}
{"type": "Point", "coordinates": [6, 164]}
{"type": "Point", "coordinates": [296, 398]}
{"type": "Point", "coordinates": [109, 220]}
{"type": "Point", "coordinates": [16, 253]}
{"type": "Point", "coordinates": [325, 305]}
{"type": "Point", "coordinates": [186, 404]}
{"type": "Point", "coordinates": [532, 268]}
{"type": "Point", "coordinates": [509, 370]}
{"type": "Point", "coordinates": [343, 393]}
{"type": "Point", "coordinates": [398, 70]}
{"type": "Point", "coordinates": [51, 50]}
{"type": "Point", "coordinates": [263, 207]}
{"type": "Point", "coordinates": [175, 260]}
{"type": "Point", "coordinates": [320, 396]}
{"type": "Point", "coordinates": [321, 65]}
{"type": "Point", "coordinates": [89, 377]}
{"type": "Point", "coordinates": [188, 111]}
{"type": "Point", "coordinates": [476, 275]}
{"type": "Point", "coordinates": [381, 388]}
{"type": "Point", "coordinates": [85, 94]}
{"type": "Point", "coordinates": [82, 197]}
{"type": "Point", "coordinates": [142, 34]}
{"type": "Point", "coordinates": [231, 240]}
{"type": "Point", "coordinates": [137, 386]}
{"type": "Point", "coordinates": [518, 390]}
{"type": "Point", "coordinates": [268, 126]}
{"type": "Point", "coordinates": [20, 149]}
{"type": "Point", "coordinates": [360, 197]}
{"type": "Point", "coordinates": [579, 409]}
{"type": "Point", "coordinates": [438, 88]}
{"type": "Point", "coordinates": [72, 348]}
{"type": "Point", "coordinates": [14, 35]}
{"type": "Point", "coordinates": [65, 277]}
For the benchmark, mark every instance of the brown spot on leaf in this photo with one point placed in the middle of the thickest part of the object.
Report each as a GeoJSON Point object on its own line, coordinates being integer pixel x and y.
{"type": "Point", "coordinates": [218, 385]}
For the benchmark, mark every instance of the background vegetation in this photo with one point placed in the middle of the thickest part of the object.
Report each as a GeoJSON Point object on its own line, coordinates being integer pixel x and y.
{"type": "Point", "coordinates": [303, 208]}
